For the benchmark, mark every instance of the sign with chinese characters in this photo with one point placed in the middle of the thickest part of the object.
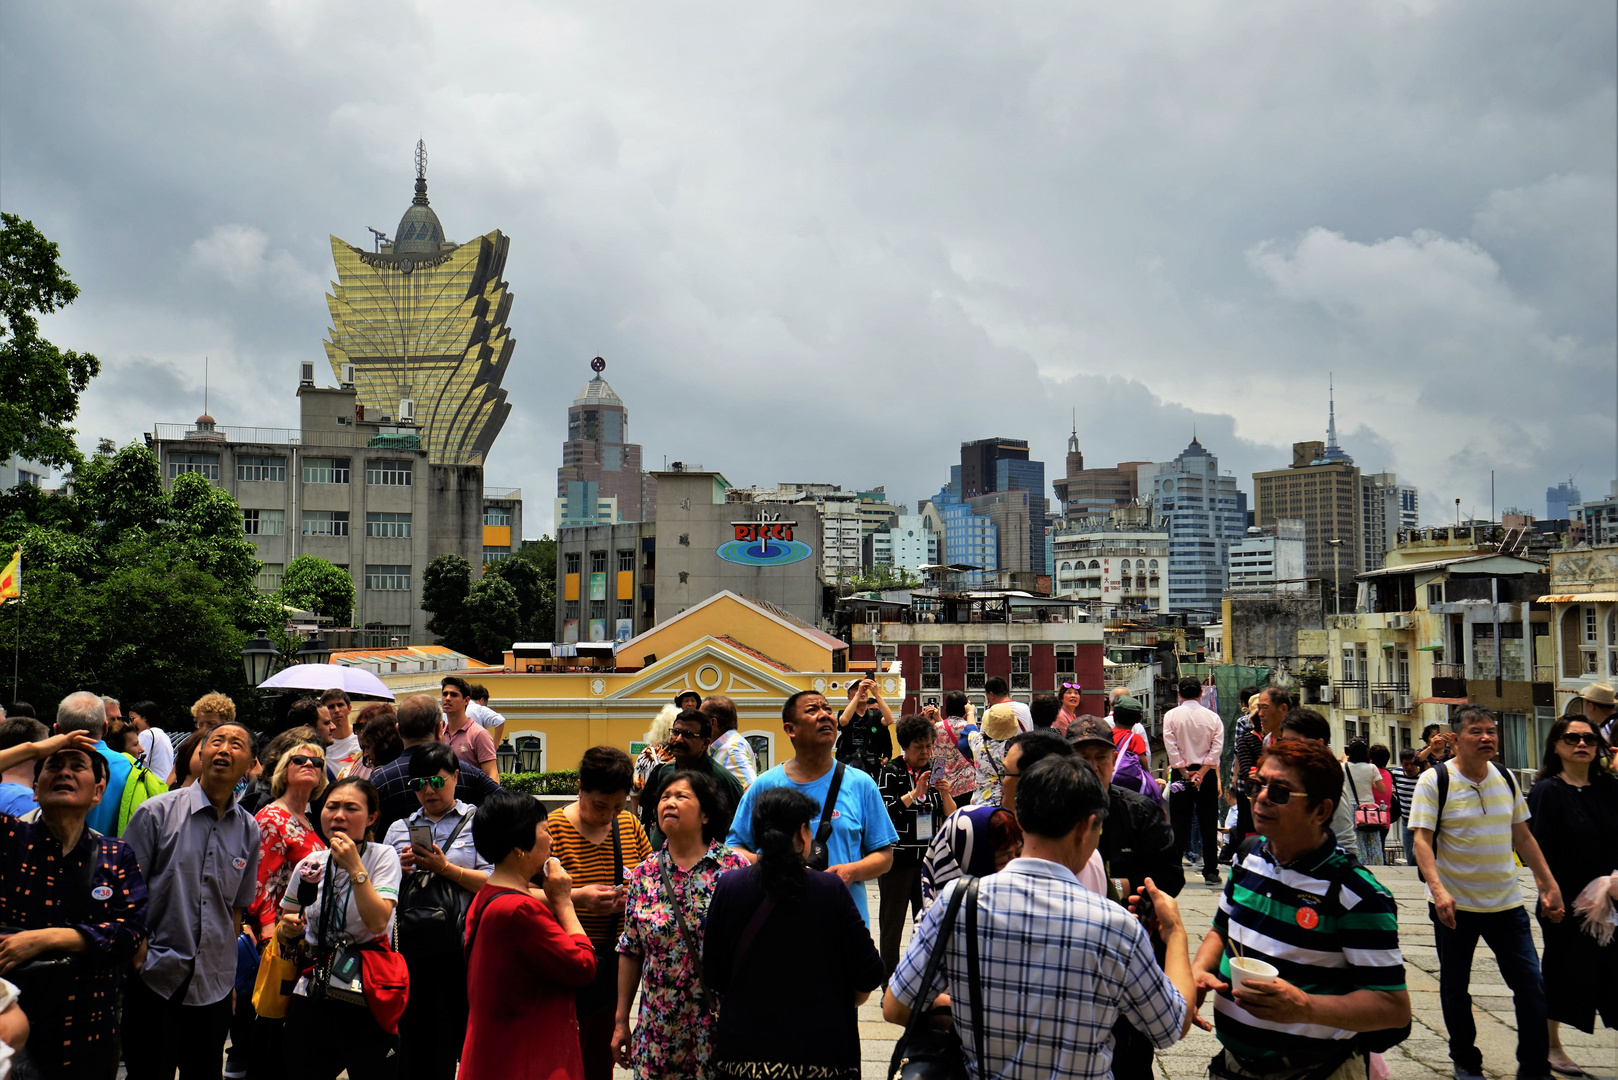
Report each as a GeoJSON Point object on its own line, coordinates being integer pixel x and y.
{"type": "Point", "coordinates": [764, 541]}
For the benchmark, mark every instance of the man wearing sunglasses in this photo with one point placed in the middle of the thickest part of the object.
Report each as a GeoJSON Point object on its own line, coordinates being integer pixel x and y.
{"type": "Point", "coordinates": [420, 724]}
{"type": "Point", "coordinates": [1298, 903]}
{"type": "Point", "coordinates": [1464, 845]}
{"type": "Point", "coordinates": [688, 743]}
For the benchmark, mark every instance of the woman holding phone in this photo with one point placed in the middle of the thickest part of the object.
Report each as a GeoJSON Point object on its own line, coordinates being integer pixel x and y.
{"type": "Point", "coordinates": [356, 885]}
{"type": "Point", "coordinates": [918, 799]}
{"type": "Point", "coordinates": [443, 871]}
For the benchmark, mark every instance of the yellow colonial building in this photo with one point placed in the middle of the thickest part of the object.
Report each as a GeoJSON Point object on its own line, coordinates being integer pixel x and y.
{"type": "Point", "coordinates": [751, 652]}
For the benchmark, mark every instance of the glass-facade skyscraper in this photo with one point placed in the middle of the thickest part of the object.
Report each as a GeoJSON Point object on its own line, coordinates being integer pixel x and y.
{"type": "Point", "coordinates": [1206, 514]}
{"type": "Point", "coordinates": [423, 321]}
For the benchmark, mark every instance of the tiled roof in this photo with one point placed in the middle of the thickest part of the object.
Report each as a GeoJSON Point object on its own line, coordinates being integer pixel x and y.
{"type": "Point", "coordinates": [755, 654]}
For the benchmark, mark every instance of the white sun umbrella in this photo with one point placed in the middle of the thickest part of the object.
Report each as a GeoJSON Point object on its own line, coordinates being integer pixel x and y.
{"type": "Point", "coordinates": [354, 680]}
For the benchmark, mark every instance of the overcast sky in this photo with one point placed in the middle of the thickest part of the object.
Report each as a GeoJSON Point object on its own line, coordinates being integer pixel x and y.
{"type": "Point", "coordinates": [831, 241]}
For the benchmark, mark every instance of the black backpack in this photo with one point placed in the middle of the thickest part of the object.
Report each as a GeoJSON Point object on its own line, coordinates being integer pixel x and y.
{"type": "Point", "coordinates": [432, 917]}
{"type": "Point", "coordinates": [1442, 780]}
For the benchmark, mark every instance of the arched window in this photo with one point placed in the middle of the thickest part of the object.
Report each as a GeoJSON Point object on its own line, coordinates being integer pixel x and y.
{"type": "Point", "coordinates": [1066, 567]}
{"type": "Point", "coordinates": [1095, 565]}
{"type": "Point", "coordinates": [1152, 564]}
{"type": "Point", "coordinates": [1124, 565]}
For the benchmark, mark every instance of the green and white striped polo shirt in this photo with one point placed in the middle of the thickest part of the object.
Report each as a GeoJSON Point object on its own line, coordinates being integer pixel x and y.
{"type": "Point", "coordinates": [1326, 924]}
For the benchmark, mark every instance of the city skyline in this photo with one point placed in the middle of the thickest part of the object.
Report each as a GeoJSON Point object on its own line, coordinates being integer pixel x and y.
{"type": "Point", "coordinates": [941, 222]}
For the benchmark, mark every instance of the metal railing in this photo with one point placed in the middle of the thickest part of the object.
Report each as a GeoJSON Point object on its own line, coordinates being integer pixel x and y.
{"type": "Point", "coordinates": [501, 492]}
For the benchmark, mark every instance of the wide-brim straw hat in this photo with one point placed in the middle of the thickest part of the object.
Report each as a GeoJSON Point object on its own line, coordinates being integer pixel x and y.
{"type": "Point", "coordinates": [1000, 722]}
{"type": "Point", "coordinates": [1599, 693]}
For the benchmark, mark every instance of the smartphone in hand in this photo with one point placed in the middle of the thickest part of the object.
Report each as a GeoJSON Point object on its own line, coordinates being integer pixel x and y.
{"type": "Point", "coordinates": [421, 836]}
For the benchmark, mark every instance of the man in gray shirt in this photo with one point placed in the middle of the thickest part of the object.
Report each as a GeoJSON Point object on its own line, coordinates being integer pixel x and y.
{"type": "Point", "coordinates": [198, 851]}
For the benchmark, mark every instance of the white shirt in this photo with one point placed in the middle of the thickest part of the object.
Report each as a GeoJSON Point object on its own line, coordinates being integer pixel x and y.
{"type": "Point", "coordinates": [490, 720]}
{"type": "Point", "coordinates": [343, 752]}
{"type": "Point", "coordinates": [1025, 718]}
{"type": "Point", "coordinates": [158, 751]}
{"type": "Point", "coordinates": [381, 862]}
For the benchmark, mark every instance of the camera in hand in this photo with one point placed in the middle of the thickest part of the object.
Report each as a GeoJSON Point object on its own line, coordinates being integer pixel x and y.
{"type": "Point", "coordinates": [308, 891]}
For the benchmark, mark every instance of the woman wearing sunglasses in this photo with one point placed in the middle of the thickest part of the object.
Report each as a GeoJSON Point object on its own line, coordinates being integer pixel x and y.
{"type": "Point", "coordinates": [443, 871]}
{"type": "Point", "coordinates": [1574, 803]}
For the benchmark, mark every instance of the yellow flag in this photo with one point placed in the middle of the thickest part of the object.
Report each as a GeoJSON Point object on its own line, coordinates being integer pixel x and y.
{"type": "Point", "coordinates": [11, 578]}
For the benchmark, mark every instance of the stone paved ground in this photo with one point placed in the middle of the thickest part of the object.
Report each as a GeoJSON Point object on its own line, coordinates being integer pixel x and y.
{"type": "Point", "coordinates": [1423, 1056]}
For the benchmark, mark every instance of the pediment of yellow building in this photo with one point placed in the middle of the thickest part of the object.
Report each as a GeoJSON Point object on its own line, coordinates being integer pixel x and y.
{"type": "Point", "coordinates": [710, 666]}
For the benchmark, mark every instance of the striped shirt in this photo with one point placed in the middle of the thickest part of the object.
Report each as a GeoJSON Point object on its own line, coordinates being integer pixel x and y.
{"type": "Point", "coordinates": [1326, 924]}
{"type": "Point", "coordinates": [592, 864]}
{"type": "Point", "coordinates": [1475, 861]}
{"type": "Point", "coordinates": [1404, 785]}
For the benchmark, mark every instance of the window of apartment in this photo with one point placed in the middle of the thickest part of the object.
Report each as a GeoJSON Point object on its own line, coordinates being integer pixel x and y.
{"type": "Point", "coordinates": [387, 526]}
{"type": "Point", "coordinates": [932, 660]}
{"type": "Point", "coordinates": [261, 469]}
{"type": "Point", "coordinates": [391, 474]}
{"type": "Point", "coordinates": [598, 562]}
{"type": "Point", "coordinates": [1064, 666]}
{"type": "Point", "coordinates": [1589, 617]}
{"type": "Point", "coordinates": [975, 659]}
{"type": "Point", "coordinates": [325, 470]}
{"type": "Point", "coordinates": [325, 523]}
{"type": "Point", "coordinates": [570, 610]}
{"type": "Point", "coordinates": [1348, 665]}
{"type": "Point", "coordinates": [570, 562]}
{"type": "Point", "coordinates": [264, 522]}
{"type": "Point", "coordinates": [388, 578]}
{"type": "Point", "coordinates": [269, 576]}
{"type": "Point", "coordinates": [1022, 677]}
{"type": "Point", "coordinates": [626, 609]}
{"type": "Point", "coordinates": [32, 479]}
{"type": "Point", "coordinates": [1435, 594]}
{"type": "Point", "coordinates": [886, 655]}
{"type": "Point", "coordinates": [493, 553]}
{"type": "Point", "coordinates": [204, 465]}
{"type": "Point", "coordinates": [496, 516]}
{"type": "Point", "coordinates": [626, 560]}
{"type": "Point", "coordinates": [598, 609]}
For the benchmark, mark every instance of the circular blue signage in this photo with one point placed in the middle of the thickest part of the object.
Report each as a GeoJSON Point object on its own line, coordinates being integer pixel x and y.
{"type": "Point", "coordinates": [764, 552]}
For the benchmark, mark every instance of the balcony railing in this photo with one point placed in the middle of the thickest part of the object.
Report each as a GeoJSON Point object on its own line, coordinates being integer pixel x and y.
{"type": "Point", "coordinates": [1449, 671]}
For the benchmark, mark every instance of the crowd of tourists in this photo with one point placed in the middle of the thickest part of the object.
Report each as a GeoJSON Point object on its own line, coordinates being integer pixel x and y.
{"type": "Point", "coordinates": [358, 893]}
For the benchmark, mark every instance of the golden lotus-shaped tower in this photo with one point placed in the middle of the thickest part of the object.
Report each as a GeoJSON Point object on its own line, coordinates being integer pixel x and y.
{"type": "Point", "coordinates": [423, 322]}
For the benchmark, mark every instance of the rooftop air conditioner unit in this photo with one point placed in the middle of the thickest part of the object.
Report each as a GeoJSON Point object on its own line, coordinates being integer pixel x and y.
{"type": "Point", "coordinates": [407, 411]}
{"type": "Point", "coordinates": [1404, 704]}
{"type": "Point", "coordinates": [348, 376]}
{"type": "Point", "coordinates": [1327, 693]}
{"type": "Point", "coordinates": [1398, 622]}
{"type": "Point", "coordinates": [306, 373]}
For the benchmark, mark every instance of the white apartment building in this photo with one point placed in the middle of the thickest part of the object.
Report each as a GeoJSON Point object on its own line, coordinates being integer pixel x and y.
{"type": "Point", "coordinates": [1269, 554]}
{"type": "Point", "coordinates": [1117, 566]}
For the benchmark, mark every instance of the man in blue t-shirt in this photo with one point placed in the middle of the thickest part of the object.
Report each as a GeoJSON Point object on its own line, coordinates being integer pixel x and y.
{"type": "Point", "coordinates": [862, 835]}
{"type": "Point", "coordinates": [84, 711]}
{"type": "Point", "coordinates": [17, 782]}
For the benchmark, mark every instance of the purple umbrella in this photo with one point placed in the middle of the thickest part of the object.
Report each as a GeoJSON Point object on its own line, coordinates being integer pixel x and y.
{"type": "Point", "coordinates": [356, 681]}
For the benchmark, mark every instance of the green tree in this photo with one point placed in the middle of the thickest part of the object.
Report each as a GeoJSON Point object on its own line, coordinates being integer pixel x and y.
{"type": "Point", "coordinates": [541, 554]}
{"type": "Point", "coordinates": [536, 597]}
{"type": "Point", "coordinates": [39, 383]}
{"type": "Point", "coordinates": [313, 584]}
{"type": "Point", "coordinates": [444, 588]}
{"type": "Point", "coordinates": [123, 489]}
{"type": "Point", "coordinates": [493, 617]}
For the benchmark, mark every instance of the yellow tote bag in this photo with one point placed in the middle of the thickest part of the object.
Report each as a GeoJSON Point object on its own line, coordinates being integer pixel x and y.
{"type": "Point", "coordinates": [276, 977]}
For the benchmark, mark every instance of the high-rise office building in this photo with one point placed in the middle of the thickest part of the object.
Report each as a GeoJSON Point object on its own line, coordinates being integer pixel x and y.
{"type": "Point", "coordinates": [1323, 489]}
{"type": "Point", "coordinates": [423, 322]}
{"type": "Point", "coordinates": [1560, 499]}
{"type": "Point", "coordinates": [969, 538]}
{"type": "Point", "coordinates": [600, 466]}
{"type": "Point", "coordinates": [1206, 513]}
{"type": "Point", "coordinates": [1003, 465]}
{"type": "Point", "coordinates": [1380, 517]}
{"type": "Point", "coordinates": [1409, 508]}
{"type": "Point", "coordinates": [1090, 493]}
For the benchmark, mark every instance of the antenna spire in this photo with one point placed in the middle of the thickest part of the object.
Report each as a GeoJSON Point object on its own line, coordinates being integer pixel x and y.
{"type": "Point", "coordinates": [205, 384]}
{"type": "Point", "coordinates": [421, 173]}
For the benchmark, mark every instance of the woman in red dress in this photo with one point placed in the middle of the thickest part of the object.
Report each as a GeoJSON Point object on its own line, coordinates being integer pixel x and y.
{"type": "Point", "coordinates": [525, 956]}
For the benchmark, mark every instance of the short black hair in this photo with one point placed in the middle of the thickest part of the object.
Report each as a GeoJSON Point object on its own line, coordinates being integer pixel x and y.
{"type": "Point", "coordinates": [1471, 712]}
{"type": "Point", "coordinates": [995, 685]}
{"type": "Point", "coordinates": [459, 683]}
{"type": "Point", "coordinates": [1043, 709]}
{"type": "Point", "coordinates": [1278, 695]}
{"type": "Point", "coordinates": [605, 770]}
{"type": "Point", "coordinates": [723, 711]}
{"type": "Point", "coordinates": [1380, 756]}
{"type": "Point", "coordinates": [1039, 744]}
{"type": "Point", "coordinates": [16, 730]}
{"type": "Point", "coordinates": [1189, 688]}
{"type": "Point", "coordinates": [303, 711]}
{"type": "Point", "coordinates": [1058, 793]}
{"type": "Point", "coordinates": [698, 717]}
{"type": "Point", "coordinates": [418, 717]}
{"type": "Point", "coordinates": [1308, 724]}
{"type": "Point", "coordinates": [955, 703]}
{"type": "Point", "coordinates": [430, 759]}
{"type": "Point", "coordinates": [1245, 694]}
{"type": "Point", "coordinates": [336, 693]}
{"type": "Point", "coordinates": [506, 822]}
{"type": "Point", "coordinates": [147, 711]}
{"type": "Point", "coordinates": [715, 807]}
{"type": "Point", "coordinates": [479, 692]}
{"type": "Point", "coordinates": [789, 711]}
{"type": "Point", "coordinates": [1358, 752]}
{"type": "Point", "coordinates": [1408, 753]}
{"type": "Point", "coordinates": [913, 728]}
{"type": "Point", "coordinates": [98, 764]}
{"type": "Point", "coordinates": [20, 708]}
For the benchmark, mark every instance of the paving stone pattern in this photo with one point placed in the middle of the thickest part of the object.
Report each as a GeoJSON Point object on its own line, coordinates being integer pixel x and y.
{"type": "Point", "coordinates": [1423, 1056]}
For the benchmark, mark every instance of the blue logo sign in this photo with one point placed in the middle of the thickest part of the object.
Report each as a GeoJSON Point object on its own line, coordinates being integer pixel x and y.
{"type": "Point", "coordinates": [765, 542]}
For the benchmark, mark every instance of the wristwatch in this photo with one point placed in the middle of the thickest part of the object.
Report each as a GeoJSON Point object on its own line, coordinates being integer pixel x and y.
{"type": "Point", "coordinates": [361, 878]}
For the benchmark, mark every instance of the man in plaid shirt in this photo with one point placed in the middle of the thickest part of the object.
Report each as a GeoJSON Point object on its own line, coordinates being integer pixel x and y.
{"type": "Point", "coordinates": [1058, 965]}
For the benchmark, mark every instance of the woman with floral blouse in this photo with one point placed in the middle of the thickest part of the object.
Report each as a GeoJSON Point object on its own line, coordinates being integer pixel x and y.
{"type": "Point", "coordinates": [286, 836]}
{"type": "Point", "coordinates": [662, 939]}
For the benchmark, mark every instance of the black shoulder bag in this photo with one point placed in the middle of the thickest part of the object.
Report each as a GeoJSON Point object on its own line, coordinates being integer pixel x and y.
{"type": "Point", "coordinates": [818, 857]}
{"type": "Point", "coordinates": [432, 920]}
{"type": "Point", "coordinates": [930, 1049]}
{"type": "Point", "coordinates": [48, 980]}
{"type": "Point", "coordinates": [693, 944]}
{"type": "Point", "coordinates": [602, 991]}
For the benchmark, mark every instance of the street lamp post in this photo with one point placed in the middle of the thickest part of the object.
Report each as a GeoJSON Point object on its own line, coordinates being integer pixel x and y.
{"type": "Point", "coordinates": [258, 659]}
{"type": "Point", "coordinates": [1337, 574]}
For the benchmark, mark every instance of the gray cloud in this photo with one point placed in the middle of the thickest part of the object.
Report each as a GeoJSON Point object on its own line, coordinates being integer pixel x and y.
{"type": "Point", "coordinates": [832, 241]}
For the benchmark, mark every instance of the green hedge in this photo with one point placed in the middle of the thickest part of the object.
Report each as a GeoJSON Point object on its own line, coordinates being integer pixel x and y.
{"type": "Point", "coordinates": [541, 783]}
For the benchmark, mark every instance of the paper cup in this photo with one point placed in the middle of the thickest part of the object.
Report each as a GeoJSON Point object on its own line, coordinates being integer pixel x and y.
{"type": "Point", "coordinates": [8, 995]}
{"type": "Point", "coordinates": [1244, 969]}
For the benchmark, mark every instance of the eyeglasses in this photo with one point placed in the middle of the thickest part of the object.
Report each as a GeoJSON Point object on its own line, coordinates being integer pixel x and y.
{"type": "Point", "coordinates": [1279, 794]}
{"type": "Point", "coordinates": [682, 735]}
{"type": "Point", "coordinates": [434, 782]}
{"type": "Point", "coordinates": [305, 759]}
{"type": "Point", "coordinates": [1580, 738]}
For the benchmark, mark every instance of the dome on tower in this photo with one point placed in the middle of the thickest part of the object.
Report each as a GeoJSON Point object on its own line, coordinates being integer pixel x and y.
{"type": "Point", "coordinates": [419, 231]}
{"type": "Point", "coordinates": [597, 392]}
